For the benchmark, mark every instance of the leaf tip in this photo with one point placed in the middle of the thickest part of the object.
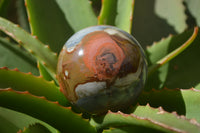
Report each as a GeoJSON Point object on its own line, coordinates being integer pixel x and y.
{"type": "Point", "coordinates": [29, 20]}
{"type": "Point", "coordinates": [16, 69]}
{"type": "Point", "coordinates": [110, 112]}
{"type": "Point", "coordinates": [8, 89]}
{"type": "Point", "coordinates": [25, 3]}
{"type": "Point", "coordinates": [55, 54]}
{"type": "Point", "coordinates": [47, 46]}
{"type": "Point", "coordinates": [70, 108]}
{"type": "Point", "coordinates": [36, 37]}
{"type": "Point", "coordinates": [193, 89]}
{"type": "Point", "coordinates": [148, 105]}
{"type": "Point", "coordinates": [160, 110]}
{"type": "Point", "coordinates": [20, 131]}
{"type": "Point", "coordinates": [30, 73]}
{"type": "Point", "coordinates": [194, 121]}
{"type": "Point", "coordinates": [196, 30]}
{"type": "Point", "coordinates": [98, 17]}
{"type": "Point", "coordinates": [6, 68]}
{"type": "Point", "coordinates": [56, 102]}
{"type": "Point", "coordinates": [175, 113]}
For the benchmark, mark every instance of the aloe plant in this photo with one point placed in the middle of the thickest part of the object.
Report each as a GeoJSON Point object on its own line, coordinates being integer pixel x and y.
{"type": "Point", "coordinates": [33, 35]}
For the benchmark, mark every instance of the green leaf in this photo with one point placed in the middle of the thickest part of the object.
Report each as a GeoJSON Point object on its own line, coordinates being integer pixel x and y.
{"type": "Point", "coordinates": [181, 72]}
{"type": "Point", "coordinates": [193, 6]}
{"type": "Point", "coordinates": [32, 44]}
{"type": "Point", "coordinates": [44, 72]}
{"type": "Point", "coordinates": [78, 18]}
{"type": "Point", "coordinates": [22, 15]}
{"type": "Point", "coordinates": [174, 53]}
{"type": "Point", "coordinates": [170, 119]}
{"type": "Point", "coordinates": [197, 86]}
{"type": "Point", "coordinates": [35, 85]}
{"type": "Point", "coordinates": [12, 121]}
{"type": "Point", "coordinates": [175, 15]}
{"type": "Point", "coordinates": [59, 117]}
{"type": "Point", "coordinates": [52, 28]}
{"type": "Point", "coordinates": [185, 102]}
{"type": "Point", "coordinates": [118, 13]}
{"type": "Point", "coordinates": [35, 128]}
{"type": "Point", "coordinates": [132, 129]}
{"type": "Point", "coordinates": [4, 6]}
{"type": "Point", "coordinates": [60, 19]}
{"type": "Point", "coordinates": [96, 5]}
{"type": "Point", "coordinates": [12, 56]}
{"type": "Point", "coordinates": [108, 12]}
{"type": "Point", "coordinates": [125, 14]}
{"type": "Point", "coordinates": [7, 126]}
{"type": "Point", "coordinates": [148, 117]}
{"type": "Point", "coordinates": [147, 25]}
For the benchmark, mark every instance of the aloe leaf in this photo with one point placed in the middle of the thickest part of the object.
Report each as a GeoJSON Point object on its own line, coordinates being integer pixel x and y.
{"type": "Point", "coordinates": [12, 56]}
{"type": "Point", "coordinates": [147, 25]}
{"type": "Point", "coordinates": [96, 5]}
{"type": "Point", "coordinates": [75, 15]}
{"type": "Point", "coordinates": [12, 121]}
{"type": "Point", "coordinates": [125, 14]}
{"type": "Point", "coordinates": [22, 15]}
{"type": "Point", "coordinates": [175, 15]}
{"type": "Point", "coordinates": [59, 117]}
{"type": "Point", "coordinates": [48, 75]}
{"type": "Point", "coordinates": [148, 117]}
{"type": "Point", "coordinates": [185, 102]}
{"type": "Point", "coordinates": [53, 22]}
{"type": "Point", "coordinates": [7, 126]}
{"type": "Point", "coordinates": [44, 72]}
{"type": "Point", "coordinates": [4, 4]}
{"type": "Point", "coordinates": [181, 72]}
{"type": "Point", "coordinates": [48, 23]}
{"type": "Point", "coordinates": [35, 85]}
{"type": "Point", "coordinates": [179, 122]}
{"type": "Point", "coordinates": [197, 86]}
{"type": "Point", "coordinates": [35, 128]}
{"type": "Point", "coordinates": [32, 44]}
{"type": "Point", "coordinates": [131, 129]}
{"type": "Point", "coordinates": [174, 53]}
{"type": "Point", "coordinates": [193, 6]}
{"type": "Point", "coordinates": [108, 12]}
{"type": "Point", "coordinates": [118, 13]}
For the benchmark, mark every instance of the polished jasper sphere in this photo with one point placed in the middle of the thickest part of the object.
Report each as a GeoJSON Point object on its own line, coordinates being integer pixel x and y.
{"type": "Point", "coordinates": [101, 68]}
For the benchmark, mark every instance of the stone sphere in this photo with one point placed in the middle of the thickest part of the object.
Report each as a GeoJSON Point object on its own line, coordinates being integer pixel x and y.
{"type": "Point", "coordinates": [101, 68]}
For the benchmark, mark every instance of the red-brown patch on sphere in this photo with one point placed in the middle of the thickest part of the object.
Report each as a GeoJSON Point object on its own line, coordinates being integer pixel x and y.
{"type": "Point", "coordinates": [102, 55]}
{"type": "Point", "coordinates": [98, 56]}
